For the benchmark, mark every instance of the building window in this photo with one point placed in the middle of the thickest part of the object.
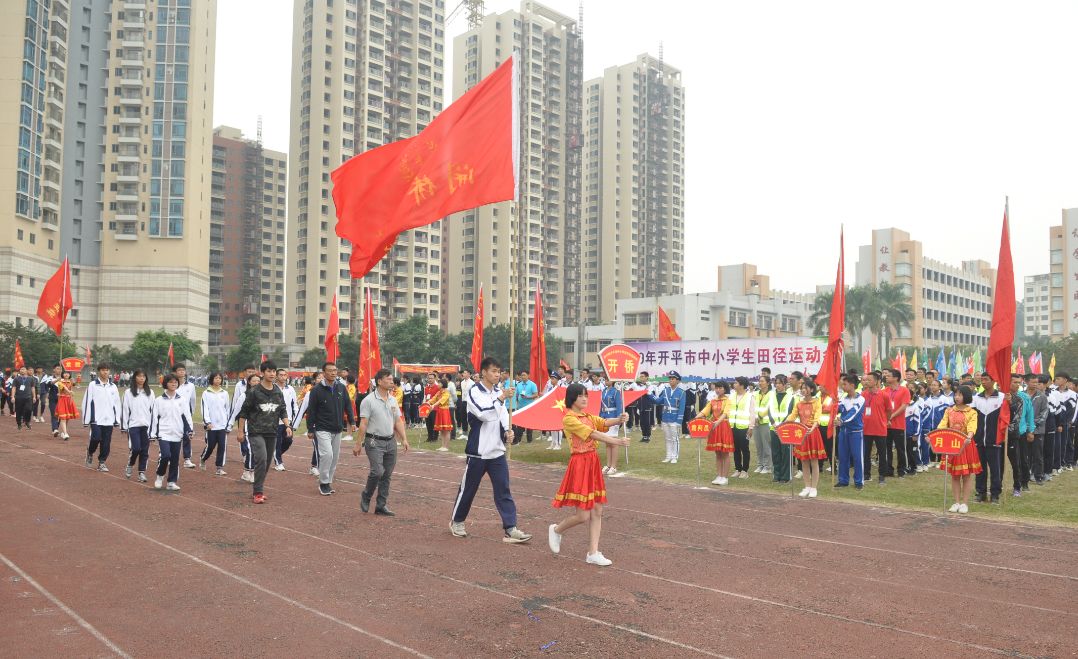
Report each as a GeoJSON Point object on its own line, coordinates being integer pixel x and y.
{"type": "Point", "coordinates": [767, 322]}
{"type": "Point", "coordinates": [1057, 327]}
{"type": "Point", "coordinates": [1057, 280]}
{"type": "Point", "coordinates": [1056, 256]}
{"type": "Point", "coordinates": [1057, 303]}
{"type": "Point", "coordinates": [739, 318]}
{"type": "Point", "coordinates": [903, 270]}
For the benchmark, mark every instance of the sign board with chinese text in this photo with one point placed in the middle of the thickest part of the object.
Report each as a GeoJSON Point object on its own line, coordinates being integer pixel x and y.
{"type": "Point", "coordinates": [620, 362]}
{"type": "Point", "coordinates": [791, 432]}
{"type": "Point", "coordinates": [73, 364]}
{"type": "Point", "coordinates": [424, 411]}
{"type": "Point", "coordinates": [699, 428]}
{"type": "Point", "coordinates": [946, 442]}
{"type": "Point", "coordinates": [702, 361]}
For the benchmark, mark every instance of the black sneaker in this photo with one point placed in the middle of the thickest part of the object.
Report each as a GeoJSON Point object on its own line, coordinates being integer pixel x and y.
{"type": "Point", "coordinates": [995, 498]}
{"type": "Point", "coordinates": [324, 490]}
{"type": "Point", "coordinates": [842, 484]}
{"type": "Point", "coordinates": [860, 486]}
{"type": "Point", "coordinates": [385, 512]}
{"type": "Point", "coordinates": [981, 498]}
{"type": "Point", "coordinates": [364, 503]}
{"type": "Point", "coordinates": [645, 440]}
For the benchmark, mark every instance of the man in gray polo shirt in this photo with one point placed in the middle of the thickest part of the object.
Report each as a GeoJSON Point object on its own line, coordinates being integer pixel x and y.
{"type": "Point", "coordinates": [379, 421]}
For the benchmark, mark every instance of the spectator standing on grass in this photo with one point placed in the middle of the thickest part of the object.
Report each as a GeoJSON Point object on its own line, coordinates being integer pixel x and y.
{"type": "Point", "coordinates": [136, 416]}
{"type": "Point", "coordinates": [897, 441]}
{"type": "Point", "coordinates": [526, 393]}
{"type": "Point", "coordinates": [1039, 399]}
{"type": "Point", "coordinates": [811, 450]}
{"type": "Point", "coordinates": [877, 411]}
{"type": "Point", "coordinates": [101, 411]}
{"type": "Point", "coordinates": [329, 414]}
{"type": "Point", "coordinates": [263, 409]}
{"type": "Point", "coordinates": [170, 425]}
{"type": "Point", "coordinates": [761, 432]}
{"type": "Point", "coordinates": [611, 407]}
{"type": "Point", "coordinates": [1019, 435]}
{"type": "Point", "coordinates": [553, 382]}
{"type": "Point", "coordinates": [380, 428]}
{"type": "Point", "coordinates": [720, 439]}
{"type": "Point", "coordinates": [780, 407]}
{"type": "Point", "coordinates": [987, 404]}
{"type": "Point", "coordinates": [850, 422]}
{"type": "Point", "coordinates": [672, 398]}
{"type": "Point", "coordinates": [462, 403]}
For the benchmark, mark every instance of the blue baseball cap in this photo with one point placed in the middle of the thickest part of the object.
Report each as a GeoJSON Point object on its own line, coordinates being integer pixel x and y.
{"type": "Point", "coordinates": [674, 374]}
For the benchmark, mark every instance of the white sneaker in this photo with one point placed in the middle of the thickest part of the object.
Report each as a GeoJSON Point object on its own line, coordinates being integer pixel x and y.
{"type": "Point", "coordinates": [666, 459]}
{"type": "Point", "coordinates": [248, 476]}
{"type": "Point", "coordinates": [829, 470]}
{"type": "Point", "coordinates": [515, 536]}
{"type": "Point", "coordinates": [127, 471]}
{"type": "Point", "coordinates": [673, 461]}
{"type": "Point", "coordinates": [812, 493]}
{"type": "Point", "coordinates": [798, 474]}
{"type": "Point", "coordinates": [804, 492]}
{"type": "Point", "coordinates": [457, 529]}
{"type": "Point", "coordinates": [313, 471]}
{"type": "Point", "coordinates": [954, 508]}
{"type": "Point", "coordinates": [158, 482]}
{"type": "Point", "coordinates": [963, 509]}
{"type": "Point", "coordinates": [717, 481]}
{"type": "Point", "coordinates": [442, 449]}
{"type": "Point", "coordinates": [278, 467]}
{"type": "Point", "coordinates": [612, 472]}
{"type": "Point", "coordinates": [606, 470]}
{"type": "Point", "coordinates": [142, 477]}
{"type": "Point", "coordinates": [188, 464]}
{"type": "Point", "coordinates": [598, 559]}
{"type": "Point", "coordinates": [744, 474]}
{"type": "Point", "coordinates": [765, 470]}
{"type": "Point", "coordinates": [553, 539]}
{"type": "Point", "coordinates": [221, 472]}
{"type": "Point", "coordinates": [758, 469]}
{"type": "Point", "coordinates": [102, 467]}
{"type": "Point", "coordinates": [725, 481]}
{"type": "Point", "coordinates": [460, 435]}
{"type": "Point", "coordinates": [173, 487]}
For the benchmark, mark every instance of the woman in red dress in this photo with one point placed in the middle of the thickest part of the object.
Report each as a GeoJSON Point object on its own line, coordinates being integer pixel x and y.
{"type": "Point", "coordinates": [721, 438]}
{"type": "Point", "coordinates": [443, 417]}
{"type": "Point", "coordinates": [583, 486]}
{"type": "Point", "coordinates": [811, 450]}
{"type": "Point", "coordinates": [967, 464]}
{"type": "Point", "coordinates": [65, 403]}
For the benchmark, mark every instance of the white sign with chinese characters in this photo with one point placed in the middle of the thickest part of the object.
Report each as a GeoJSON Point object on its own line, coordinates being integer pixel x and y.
{"type": "Point", "coordinates": [723, 360]}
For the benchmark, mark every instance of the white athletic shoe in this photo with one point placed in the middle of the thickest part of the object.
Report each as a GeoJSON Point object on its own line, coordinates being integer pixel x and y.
{"type": "Point", "coordinates": [606, 470]}
{"type": "Point", "coordinates": [221, 472]}
{"type": "Point", "coordinates": [744, 474]}
{"type": "Point", "coordinates": [804, 492]}
{"type": "Point", "coordinates": [142, 477]}
{"type": "Point", "coordinates": [159, 482]}
{"type": "Point", "coordinates": [457, 529]}
{"type": "Point", "coordinates": [598, 559]}
{"type": "Point", "coordinates": [442, 449]}
{"type": "Point", "coordinates": [954, 508]}
{"type": "Point", "coordinates": [102, 468]}
{"type": "Point", "coordinates": [812, 493]}
{"type": "Point", "coordinates": [313, 471]}
{"type": "Point", "coordinates": [127, 471]}
{"type": "Point", "coordinates": [612, 472]}
{"type": "Point", "coordinates": [717, 481]}
{"type": "Point", "coordinates": [278, 467]}
{"type": "Point", "coordinates": [666, 459]}
{"type": "Point", "coordinates": [758, 470]}
{"type": "Point", "coordinates": [963, 509]}
{"type": "Point", "coordinates": [188, 464]}
{"type": "Point", "coordinates": [554, 539]}
{"type": "Point", "coordinates": [673, 461]}
{"type": "Point", "coordinates": [248, 476]}
{"type": "Point", "coordinates": [460, 435]}
{"type": "Point", "coordinates": [765, 470]}
{"type": "Point", "coordinates": [172, 486]}
{"type": "Point", "coordinates": [798, 474]}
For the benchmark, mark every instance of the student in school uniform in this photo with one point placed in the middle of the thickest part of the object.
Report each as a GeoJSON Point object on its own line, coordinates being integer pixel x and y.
{"type": "Point", "coordinates": [851, 435]}
{"type": "Point", "coordinates": [187, 391]}
{"type": "Point", "coordinates": [611, 407]}
{"type": "Point", "coordinates": [101, 412]}
{"type": "Point", "coordinates": [876, 413]}
{"type": "Point", "coordinates": [443, 423]}
{"type": "Point", "coordinates": [284, 440]}
{"type": "Point", "coordinates": [66, 410]}
{"type": "Point", "coordinates": [555, 435]}
{"type": "Point", "coordinates": [987, 405]}
{"type": "Point", "coordinates": [215, 420]}
{"type": "Point", "coordinates": [673, 400]}
{"type": "Point", "coordinates": [135, 419]}
{"type": "Point", "coordinates": [170, 424]}
{"type": "Point", "coordinates": [263, 410]}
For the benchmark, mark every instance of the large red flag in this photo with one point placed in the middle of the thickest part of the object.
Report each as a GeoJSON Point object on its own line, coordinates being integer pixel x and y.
{"type": "Point", "coordinates": [19, 361]}
{"type": "Point", "coordinates": [370, 354]}
{"type": "Point", "coordinates": [667, 331]}
{"type": "Point", "coordinates": [547, 411]}
{"type": "Point", "coordinates": [56, 299]}
{"type": "Point", "coordinates": [477, 333]}
{"type": "Point", "coordinates": [537, 364]}
{"type": "Point", "coordinates": [1001, 340]}
{"type": "Point", "coordinates": [465, 158]}
{"type": "Point", "coordinates": [831, 366]}
{"type": "Point", "coordinates": [333, 346]}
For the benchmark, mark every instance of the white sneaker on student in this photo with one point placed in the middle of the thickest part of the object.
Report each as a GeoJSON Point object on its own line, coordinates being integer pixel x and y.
{"type": "Point", "coordinates": [313, 471]}
{"type": "Point", "coordinates": [812, 493]}
{"type": "Point", "coordinates": [142, 477]}
{"type": "Point", "coordinates": [759, 469]}
{"type": "Point", "coordinates": [606, 470]}
{"type": "Point", "coordinates": [554, 539]}
{"type": "Point", "coordinates": [188, 464]}
{"type": "Point", "coordinates": [598, 559]}
{"type": "Point", "coordinates": [798, 474]}
{"type": "Point", "coordinates": [220, 472]}
{"type": "Point", "coordinates": [612, 472]}
{"type": "Point", "coordinates": [173, 487]}
{"type": "Point", "coordinates": [666, 459]}
{"type": "Point", "coordinates": [127, 471]}
{"type": "Point", "coordinates": [673, 461]}
{"type": "Point", "coordinates": [278, 467]}
{"type": "Point", "coordinates": [804, 492]}
{"type": "Point", "coordinates": [765, 470]}
{"type": "Point", "coordinates": [158, 482]}
{"type": "Point", "coordinates": [717, 481]}
{"type": "Point", "coordinates": [963, 509]}
{"type": "Point", "coordinates": [248, 476]}
{"type": "Point", "coordinates": [954, 508]}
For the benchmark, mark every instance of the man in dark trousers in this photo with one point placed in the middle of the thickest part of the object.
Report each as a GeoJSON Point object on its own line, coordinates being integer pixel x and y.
{"type": "Point", "coordinates": [263, 410]}
{"type": "Point", "coordinates": [988, 403]}
{"type": "Point", "coordinates": [24, 389]}
{"type": "Point", "coordinates": [380, 426]}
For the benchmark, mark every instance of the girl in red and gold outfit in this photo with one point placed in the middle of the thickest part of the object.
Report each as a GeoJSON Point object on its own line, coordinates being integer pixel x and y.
{"type": "Point", "coordinates": [811, 450]}
{"type": "Point", "coordinates": [967, 464]}
{"type": "Point", "coordinates": [583, 486]}
{"type": "Point", "coordinates": [443, 417]}
{"type": "Point", "coordinates": [721, 438]}
{"type": "Point", "coordinates": [65, 403]}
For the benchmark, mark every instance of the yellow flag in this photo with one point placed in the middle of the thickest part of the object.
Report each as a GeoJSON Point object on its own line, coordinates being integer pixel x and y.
{"type": "Point", "coordinates": [1052, 367]}
{"type": "Point", "coordinates": [913, 364]}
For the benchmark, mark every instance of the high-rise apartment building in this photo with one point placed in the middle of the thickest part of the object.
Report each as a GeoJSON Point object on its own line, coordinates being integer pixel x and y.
{"type": "Point", "coordinates": [137, 152]}
{"type": "Point", "coordinates": [247, 239]}
{"type": "Point", "coordinates": [516, 246]}
{"type": "Point", "coordinates": [364, 73]}
{"type": "Point", "coordinates": [1063, 276]}
{"type": "Point", "coordinates": [634, 186]}
{"type": "Point", "coordinates": [1036, 302]}
{"type": "Point", "coordinates": [33, 66]}
{"type": "Point", "coordinates": [952, 305]}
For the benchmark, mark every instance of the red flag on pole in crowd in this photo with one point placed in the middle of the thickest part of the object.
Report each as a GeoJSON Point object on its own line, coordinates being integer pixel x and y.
{"type": "Point", "coordinates": [897, 361]}
{"type": "Point", "coordinates": [396, 366]}
{"type": "Point", "coordinates": [18, 362]}
{"type": "Point", "coordinates": [831, 365]}
{"type": "Point", "coordinates": [1001, 339]}
{"type": "Point", "coordinates": [477, 333]}
{"type": "Point", "coordinates": [1036, 363]}
{"type": "Point", "coordinates": [564, 365]}
{"type": "Point", "coordinates": [56, 299]}
{"type": "Point", "coordinates": [667, 331]}
{"type": "Point", "coordinates": [171, 355]}
{"type": "Point", "coordinates": [902, 361]}
{"type": "Point", "coordinates": [262, 359]}
{"type": "Point", "coordinates": [866, 362]}
{"type": "Point", "coordinates": [1019, 365]}
{"type": "Point", "coordinates": [333, 329]}
{"type": "Point", "coordinates": [370, 354]}
{"type": "Point", "coordinates": [88, 355]}
{"type": "Point", "coordinates": [465, 158]}
{"type": "Point", "coordinates": [537, 363]}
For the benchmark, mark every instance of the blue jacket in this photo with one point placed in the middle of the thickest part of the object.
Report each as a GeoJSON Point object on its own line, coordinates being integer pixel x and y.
{"type": "Point", "coordinates": [852, 413]}
{"type": "Point", "coordinates": [673, 402]}
{"type": "Point", "coordinates": [612, 403]}
{"type": "Point", "coordinates": [1026, 422]}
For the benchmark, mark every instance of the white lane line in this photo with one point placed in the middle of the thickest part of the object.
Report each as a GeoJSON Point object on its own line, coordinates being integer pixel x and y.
{"type": "Point", "coordinates": [446, 577]}
{"type": "Point", "coordinates": [65, 608]}
{"type": "Point", "coordinates": [216, 568]}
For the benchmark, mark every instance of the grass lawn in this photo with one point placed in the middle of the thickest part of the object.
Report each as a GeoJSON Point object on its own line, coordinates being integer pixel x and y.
{"type": "Point", "coordinates": [1053, 503]}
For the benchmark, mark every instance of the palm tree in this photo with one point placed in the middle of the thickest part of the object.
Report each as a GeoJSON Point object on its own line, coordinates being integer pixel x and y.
{"type": "Point", "coordinates": [891, 312]}
{"type": "Point", "coordinates": [859, 309]}
{"type": "Point", "coordinates": [820, 318]}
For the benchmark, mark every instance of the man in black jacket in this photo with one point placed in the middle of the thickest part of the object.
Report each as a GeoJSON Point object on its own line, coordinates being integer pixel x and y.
{"type": "Point", "coordinates": [263, 410]}
{"type": "Point", "coordinates": [24, 390]}
{"type": "Point", "coordinates": [328, 408]}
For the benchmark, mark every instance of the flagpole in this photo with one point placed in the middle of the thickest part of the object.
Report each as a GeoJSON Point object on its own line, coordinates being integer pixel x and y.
{"type": "Point", "coordinates": [1006, 434]}
{"type": "Point", "coordinates": [514, 283]}
{"type": "Point", "coordinates": [63, 314]}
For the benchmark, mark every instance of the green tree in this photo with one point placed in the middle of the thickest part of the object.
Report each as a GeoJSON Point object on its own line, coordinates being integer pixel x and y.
{"type": "Point", "coordinates": [313, 357]}
{"type": "Point", "coordinates": [410, 341]}
{"type": "Point", "coordinates": [149, 350]}
{"type": "Point", "coordinates": [889, 312]}
{"type": "Point", "coordinates": [247, 350]}
{"type": "Point", "coordinates": [210, 363]}
{"type": "Point", "coordinates": [820, 318]}
{"type": "Point", "coordinates": [349, 348]}
{"type": "Point", "coordinates": [107, 354]}
{"type": "Point", "coordinates": [39, 346]}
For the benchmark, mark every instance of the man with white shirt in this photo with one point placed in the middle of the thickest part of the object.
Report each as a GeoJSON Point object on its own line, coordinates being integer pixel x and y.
{"type": "Point", "coordinates": [101, 412]}
{"type": "Point", "coordinates": [462, 403]}
{"type": "Point", "coordinates": [187, 391]}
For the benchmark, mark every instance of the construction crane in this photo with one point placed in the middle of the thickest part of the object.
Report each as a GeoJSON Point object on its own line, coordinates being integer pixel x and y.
{"type": "Point", "coordinates": [475, 8]}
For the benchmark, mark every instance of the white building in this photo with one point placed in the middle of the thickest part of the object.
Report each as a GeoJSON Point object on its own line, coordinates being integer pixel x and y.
{"type": "Point", "coordinates": [1035, 300]}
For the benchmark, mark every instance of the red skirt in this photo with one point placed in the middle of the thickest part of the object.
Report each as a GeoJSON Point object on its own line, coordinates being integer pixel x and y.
{"type": "Point", "coordinates": [443, 419]}
{"type": "Point", "coordinates": [811, 447]}
{"type": "Point", "coordinates": [721, 438]}
{"type": "Point", "coordinates": [966, 463]}
{"type": "Point", "coordinates": [65, 408]}
{"type": "Point", "coordinates": [583, 485]}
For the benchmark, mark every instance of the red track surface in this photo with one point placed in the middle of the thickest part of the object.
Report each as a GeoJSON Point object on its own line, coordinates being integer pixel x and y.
{"type": "Point", "coordinates": [95, 565]}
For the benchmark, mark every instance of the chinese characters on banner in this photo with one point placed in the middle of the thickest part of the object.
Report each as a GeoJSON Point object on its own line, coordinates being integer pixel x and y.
{"type": "Point", "coordinates": [723, 360]}
{"type": "Point", "coordinates": [620, 362]}
{"type": "Point", "coordinates": [946, 442]}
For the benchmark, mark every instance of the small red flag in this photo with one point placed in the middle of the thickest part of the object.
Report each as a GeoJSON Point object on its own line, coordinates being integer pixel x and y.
{"type": "Point", "coordinates": [171, 355]}
{"type": "Point", "coordinates": [370, 355]}
{"type": "Point", "coordinates": [56, 299]}
{"type": "Point", "coordinates": [88, 355]}
{"type": "Point", "coordinates": [465, 158]}
{"type": "Point", "coordinates": [831, 366]}
{"type": "Point", "coordinates": [564, 365]}
{"type": "Point", "coordinates": [333, 349]}
{"type": "Point", "coordinates": [19, 362]}
{"type": "Point", "coordinates": [537, 362]}
{"type": "Point", "coordinates": [1001, 339]}
{"type": "Point", "coordinates": [477, 333]}
{"type": "Point", "coordinates": [667, 331]}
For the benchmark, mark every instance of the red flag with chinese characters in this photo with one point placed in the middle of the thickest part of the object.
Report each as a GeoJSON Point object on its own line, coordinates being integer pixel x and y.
{"type": "Point", "coordinates": [866, 362]}
{"type": "Point", "coordinates": [667, 331]}
{"type": "Point", "coordinates": [19, 362]}
{"type": "Point", "coordinates": [333, 346]}
{"type": "Point", "coordinates": [831, 366]}
{"type": "Point", "coordinates": [546, 412]}
{"type": "Point", "coordinates": [537, 363]}
{"type": "Point", "coordinates": [370, 354]}
{"type": "Point", "coordinates": [1001, 339]}
{"type": "Point", "coordinates": [477, 333]}
{"type": "Point", "coordinates": [465, 158]}
{"type": "Point", "coordinates": [171, 355]}
{"type": "Point", "coordinates": [56, 299]}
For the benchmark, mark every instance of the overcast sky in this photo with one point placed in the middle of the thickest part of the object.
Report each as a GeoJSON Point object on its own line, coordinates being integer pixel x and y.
{"type": "Point", "coordinates": [801, 116]}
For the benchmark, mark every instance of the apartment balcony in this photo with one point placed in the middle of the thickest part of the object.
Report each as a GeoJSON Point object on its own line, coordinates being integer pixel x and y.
{"type": "Point", "coordinates": [129, 138]}
{"type": "Point", "coordinates": [130, 120]}
{"type": "Point", "coordinates": [131, 100]}
{"type": "Point", "coordinates": [126, 230]}
{"type": "Point", "coordinates": [132, 78]}
{"type": "Point", "coordinates": [128, 195]}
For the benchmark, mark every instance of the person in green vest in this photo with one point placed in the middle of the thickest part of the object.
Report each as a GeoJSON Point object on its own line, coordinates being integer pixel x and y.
{"type": "Point", "coordinates": [778, 410]}
{"type": "Point", "coordinates": [761, 434]}
{"type": "Point", "coordinates": [742, 420]}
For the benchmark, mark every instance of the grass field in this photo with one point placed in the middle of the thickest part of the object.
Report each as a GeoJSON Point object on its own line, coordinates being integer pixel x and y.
{"type": "Point", "coordinates": [1054, 503]}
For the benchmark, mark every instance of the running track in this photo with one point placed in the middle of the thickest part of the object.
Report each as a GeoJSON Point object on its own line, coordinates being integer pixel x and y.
{"type": "Point", "coordinates": [94, 565]}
